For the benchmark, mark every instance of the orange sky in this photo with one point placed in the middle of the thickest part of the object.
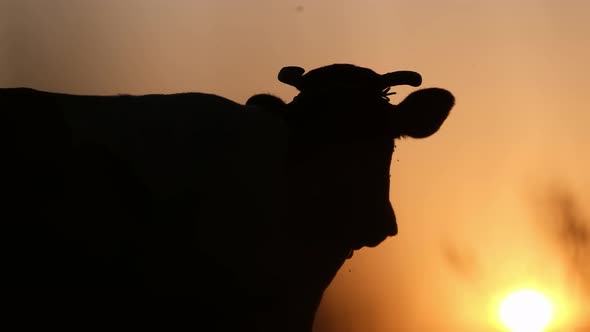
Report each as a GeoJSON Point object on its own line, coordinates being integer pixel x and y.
{"type": "Point", "coordinates": [469, 200]}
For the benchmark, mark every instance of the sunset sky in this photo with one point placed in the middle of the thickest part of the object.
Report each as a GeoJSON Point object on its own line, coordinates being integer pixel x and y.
{"type": "Point", "coordinates": [481, 205]}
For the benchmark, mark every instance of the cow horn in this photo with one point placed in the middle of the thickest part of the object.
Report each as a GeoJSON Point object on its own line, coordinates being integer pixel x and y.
{"type": "Point", "coordinates": [291, 75]}
{"type": "Point", "coordinates": [403, 77]}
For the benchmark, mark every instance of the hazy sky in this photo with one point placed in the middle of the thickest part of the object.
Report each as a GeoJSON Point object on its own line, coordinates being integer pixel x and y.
{"type": "Point", "coordinates": [475, 202]}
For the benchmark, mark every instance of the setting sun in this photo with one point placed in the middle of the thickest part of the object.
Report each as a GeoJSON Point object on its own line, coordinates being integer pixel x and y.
{"type": "Point", "coordinates": [526, 311]}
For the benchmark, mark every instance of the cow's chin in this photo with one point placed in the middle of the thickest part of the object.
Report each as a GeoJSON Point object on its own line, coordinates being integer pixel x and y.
{"type": "Point", "coordinates": [350, 254]}
{"type": "Point", "coordinates": [370, 243]}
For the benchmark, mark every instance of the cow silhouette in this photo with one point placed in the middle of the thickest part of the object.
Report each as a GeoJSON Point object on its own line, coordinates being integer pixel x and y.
{"type": "Point", "coordinates": [249, 210]}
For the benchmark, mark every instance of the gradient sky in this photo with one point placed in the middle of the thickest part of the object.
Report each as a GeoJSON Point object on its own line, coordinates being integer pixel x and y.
{"type": "Point", "coordinates": [478, 204]}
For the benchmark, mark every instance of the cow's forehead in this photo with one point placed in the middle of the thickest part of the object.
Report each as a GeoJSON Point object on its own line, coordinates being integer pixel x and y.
{"type": "Point", "coordinates": [363, 126]}
{"type": "Point", "coordinates": [340, 155]}
{"type": "Point", "coordinates": [376, 150]}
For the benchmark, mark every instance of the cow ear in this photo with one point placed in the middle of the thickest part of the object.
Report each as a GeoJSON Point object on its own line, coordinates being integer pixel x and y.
{"type": "Point", "coordinates": [423, 112]}
{"type": "Point", "coordinates": [292, 75]}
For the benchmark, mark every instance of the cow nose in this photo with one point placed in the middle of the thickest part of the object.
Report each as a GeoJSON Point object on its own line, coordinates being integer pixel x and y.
{"type": "Point", "coordinates": [388, 224]}
{"type": "Point", "coordinates": [391, 222]}
{"type": "Point", "coordinates": [383, 227]}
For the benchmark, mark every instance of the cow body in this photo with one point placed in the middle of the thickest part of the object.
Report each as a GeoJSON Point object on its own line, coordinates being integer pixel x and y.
{"type": "Point", "coordinates": [180, 195]}
{"type": "Point", "coordinates": [250, 210]}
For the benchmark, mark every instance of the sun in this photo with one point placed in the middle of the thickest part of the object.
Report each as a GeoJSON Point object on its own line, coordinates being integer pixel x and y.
{"type": "Point", "coordinates": [526, 311]}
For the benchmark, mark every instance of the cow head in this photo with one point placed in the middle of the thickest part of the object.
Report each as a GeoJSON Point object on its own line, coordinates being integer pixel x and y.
{"type": "Point", "coordinates": [342, 131]}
